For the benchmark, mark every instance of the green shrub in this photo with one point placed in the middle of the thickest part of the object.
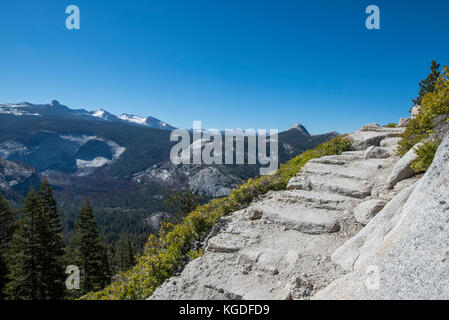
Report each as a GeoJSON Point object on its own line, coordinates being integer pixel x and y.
{"type": "Point", "coordinates": [425, 153]}
{"type": "Point", "coordinates": [195, 254]}
{"type": "Point", "coordinates": [165, 254]}
{"type": "Point", "coordinates": [414, 133]}
{"type": "Point", "coordinates": [391, 125]}
{"type": "Point", "coordinates": [433, 104]}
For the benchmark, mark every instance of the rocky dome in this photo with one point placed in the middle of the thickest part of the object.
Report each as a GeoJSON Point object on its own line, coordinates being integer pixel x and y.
{"type": "Point", "coordinates": [300, 127]}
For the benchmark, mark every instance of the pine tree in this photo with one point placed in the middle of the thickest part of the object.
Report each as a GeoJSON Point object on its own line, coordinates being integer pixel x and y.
{"type": "Point", "coordinates": [7, 222]}
{"type": "Point", "coordinates": [111, 259]}
{"type": "Point", "coordinates": [124, 254]}
{"type": "Point", "coordinates": [105, 266]}
{"type": "Point", "coordinates": [183, 202]}
{"type": "Point", "coordinates": [53, 282]}
{"type": "Point", "coordinates": [89, 253]}
{"type": "Point", "coordinates": [25, 252]}
{"type": "Point", "coordinates": [428, 84]}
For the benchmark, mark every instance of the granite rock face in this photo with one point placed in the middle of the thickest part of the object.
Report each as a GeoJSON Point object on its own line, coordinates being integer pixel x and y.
{"type": "Point", "coordinates": [406, 244]}
{"type": "Point", "coordinates": [414, 112]}
{"type": "Point", "coordinates": [212, 182]}
{"type": "Point", "coordinates": [156, 219]}
{"type": "Point", "coordinates": [365, 211]}
{"type": "Point", "coordinates": [377, 153]}
{"type": "Point", "coordinates": [403, 122]}
{"type": "Point", "coordinates": [15, 176]}
{"type": "Point", "coordinates": [255, 214]}
{"type": "Point", "coordinates": [402, 169]}
{"type": "Point", "coordinates": [206, 180]}
{"type": "Point", "coordinates": [391, 144]}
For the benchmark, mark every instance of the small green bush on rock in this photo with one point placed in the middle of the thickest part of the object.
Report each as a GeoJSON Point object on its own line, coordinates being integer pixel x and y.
{"type": "Point", "coordinates": [425, 153]}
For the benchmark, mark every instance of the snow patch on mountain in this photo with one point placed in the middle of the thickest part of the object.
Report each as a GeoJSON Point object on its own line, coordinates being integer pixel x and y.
{"type": "Point", "coordinates": [133, 119]}
{"type": "Point", "coordinates": [99, 113]}
{"type": "Point", "coordinates": [80, 139]}
{"type": "Point", "coordinates": [117, 150]}
{"type": "Point", "coordinates": [95, 163]}
{"type": "Point", "coordinates": [104, 115]}
{"type": "Point", "coordinates": [15, 105]}
{"type": "Point", "coordinates": [57, 110]}
{"type": "Point", "coordinates": [15, 110]}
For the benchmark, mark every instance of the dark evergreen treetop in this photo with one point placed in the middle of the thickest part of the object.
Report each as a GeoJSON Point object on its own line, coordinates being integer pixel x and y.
{"type": "Point", "coordinates": [53, 261]}
{"type": "Point", "coordinates": [183, 202]}
{"type": "Point", "coordinates": [7, 221]}
{"type": "Point", "coordinates": [25, 252]}
{"type": "Point", "coordinates": [36, 252]}
{"type": "Point", "coordinates": [123, 255]}
{"type": "Point", "coordinates": [428, 84]}
{"type": "Point", "coordinates": [89, 253]}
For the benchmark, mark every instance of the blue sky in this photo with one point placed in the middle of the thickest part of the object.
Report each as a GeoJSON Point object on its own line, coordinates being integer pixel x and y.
{"type": "Point", "coordinates": [231, 64]}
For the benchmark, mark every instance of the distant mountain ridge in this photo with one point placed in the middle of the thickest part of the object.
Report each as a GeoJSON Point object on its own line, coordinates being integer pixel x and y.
{"type": "Point", "coordinates": [121, 163]}
{"type": "Point", "coordinates": [67, 144]}
{"type": "Point", "coordinates": [56, 110]}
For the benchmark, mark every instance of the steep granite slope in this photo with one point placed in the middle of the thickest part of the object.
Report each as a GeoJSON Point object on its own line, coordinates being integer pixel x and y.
{"type": "Point", "coordinates": [406, 244]}
{"type": "Point", "coordinates": [16, 177]}
{"type": "Point", "coordinates": [281, 246]}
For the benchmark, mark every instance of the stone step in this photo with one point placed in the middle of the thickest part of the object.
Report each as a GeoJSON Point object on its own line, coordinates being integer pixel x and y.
{"type": "Point", "coordinates": [272, 259]}
{"type": "Point", "coordinates": [329, 160]}
{"type": "Point", "coordinates": [344, 186]}
{"type": "Point", "coordinates": [241, 287]}
{"type": "Point", "coordinates": [360, 153]}
{"type": "Point", "coordinates": [352, 171]}
{"type": "Point", "coordinates": [361, 140]}
{"type": "Point", "coordinates": [303, 219]}
{"type": "Point", "coordinates": [372, 164]}
{"type": "Point", "coordinates": [392, 130]}
{"type": "Point", "coordinates": [337, 159]}
{"type": "Point", "coordinates": [320, 200]}
{"type": "Point", "coordinates": [224, 243]}
{"type": "Point", "coordinates": [359, 169]}
{"type": "Point", "coordinates": [390, 143]}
